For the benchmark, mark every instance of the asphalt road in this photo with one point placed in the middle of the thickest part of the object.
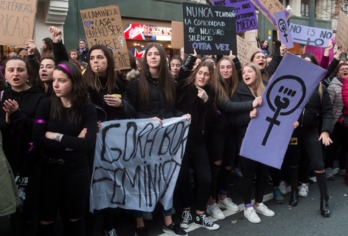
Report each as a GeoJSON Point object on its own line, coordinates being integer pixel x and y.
{"type": "Point", "coordinates": [303, 220]}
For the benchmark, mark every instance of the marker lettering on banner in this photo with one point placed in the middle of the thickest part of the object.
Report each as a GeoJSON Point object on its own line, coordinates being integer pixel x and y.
{"type": "Point", "coordinates": [103, 26]}
{"type": "Point", "coordinates": [208, 29]}
{"type": "Point", "coordinates": [16, 21]}
{"type": "Point", "coordinates": [310, 35]}
{"type": "Point", "coordinates": [245, 13]}
{"type": "Point", "coordinates": [141, 166]}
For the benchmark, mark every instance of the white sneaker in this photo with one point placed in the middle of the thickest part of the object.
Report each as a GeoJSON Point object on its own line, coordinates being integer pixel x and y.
{"type": "Point", "coordinates": [303, 190]}
{"type": "Point", "coordinates": [215, 212]}
{"type": "Point", "coordinates": [282, 187]}
{"type": "Point", "coordinates": [228, 204]}
{"type": "Point", "coordinates": [263, 209]}
{"type": "Point", "coordinates": [250, 214]}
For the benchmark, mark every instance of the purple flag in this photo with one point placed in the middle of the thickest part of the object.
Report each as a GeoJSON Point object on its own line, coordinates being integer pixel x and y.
{"type": "Point", "coordinates": [245, 11]}
{"type": "Point", "coordinates": [283, 29]}
{"type": "Point", "coordinates": [288, 91]}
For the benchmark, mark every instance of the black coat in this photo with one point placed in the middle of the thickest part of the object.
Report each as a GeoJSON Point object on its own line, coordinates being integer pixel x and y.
{"type": "Point", "coordinates": [318, 112]}
{"type": "Point", "coordinates": [17, 135]}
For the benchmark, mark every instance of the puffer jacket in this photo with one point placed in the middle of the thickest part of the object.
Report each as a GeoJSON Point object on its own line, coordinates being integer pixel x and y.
{"type": "Point", "coordinates": [335, 91]}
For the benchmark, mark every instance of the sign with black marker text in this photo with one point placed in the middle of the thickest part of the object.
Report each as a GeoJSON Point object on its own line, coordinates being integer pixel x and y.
{"type": "Point", "coordinates": [211, 30]}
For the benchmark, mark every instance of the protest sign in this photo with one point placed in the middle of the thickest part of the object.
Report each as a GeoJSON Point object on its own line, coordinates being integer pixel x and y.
{"type": "Point", "coordinates": [310, 35]}
{"type": "Point", "coordinates": [245, 50]}
{"type": "Point", "coordinates": [245, 13]}
{"type": "Point", "coordinates": [269, 8]}
{"type": "Point", "coordinates": [209, 29]}
{"type": "Point", "coordinates": [283, 29]}
{"type": "Point", "coordinates": [17, 20]}
{"type": "Point", "coordinates": [103, 25]}
{"type": "Point", "coordinates": [137, 162]}
{"type": "Point", "coordinates": [284, 98]}
{"type": "Point", "coordinates": [178, 31]}
{"type": "Point", "coordinates": [342, 31]}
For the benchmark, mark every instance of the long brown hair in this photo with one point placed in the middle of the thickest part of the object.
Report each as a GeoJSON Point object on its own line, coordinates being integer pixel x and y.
{"type": "Point", "coordinates": [92, 79]}
{"type": "Point", "coordinates": [230, 85]}
{"type": "Point", "coordinates": [214, 83]}
{"type": "Point", "coordinates": [78, 94]}
{"type": "Point", "coordinates": [258, 87]}
{"type": "Point", "coordinates": [164, 77]}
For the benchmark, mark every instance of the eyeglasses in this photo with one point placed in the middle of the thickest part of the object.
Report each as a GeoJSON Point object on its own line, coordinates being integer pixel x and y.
{"type": "Point", "coordinates": [343, 68]}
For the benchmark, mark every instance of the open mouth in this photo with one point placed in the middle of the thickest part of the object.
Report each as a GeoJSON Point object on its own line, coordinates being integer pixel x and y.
{"type": "Point", "coordinates": [16, 79]}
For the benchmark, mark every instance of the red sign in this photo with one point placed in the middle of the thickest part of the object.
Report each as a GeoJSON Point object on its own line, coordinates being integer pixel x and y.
{"type": "Point", "coordinates": [134, 32]}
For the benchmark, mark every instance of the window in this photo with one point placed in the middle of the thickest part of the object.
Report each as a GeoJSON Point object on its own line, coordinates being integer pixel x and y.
{"type": "Point", "coordinates": [304, 8]}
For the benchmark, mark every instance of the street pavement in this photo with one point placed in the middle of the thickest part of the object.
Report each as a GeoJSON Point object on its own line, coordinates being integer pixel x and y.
{"type": "Point", "coordinates": [303, 220]}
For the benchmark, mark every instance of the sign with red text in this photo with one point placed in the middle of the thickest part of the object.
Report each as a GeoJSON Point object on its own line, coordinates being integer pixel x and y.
{"type": "Point", "coordinates": [103, 25]}
{"type": "Point", "coordinates": [17, 20]}
{"type": "Point", "coordinates": [134, 32]}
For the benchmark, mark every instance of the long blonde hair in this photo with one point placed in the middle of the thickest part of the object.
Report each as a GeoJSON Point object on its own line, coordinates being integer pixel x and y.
{"type": "Point", "coordinates": [258, 87]}
{"type": "Point", "coordinates": [230, 85]}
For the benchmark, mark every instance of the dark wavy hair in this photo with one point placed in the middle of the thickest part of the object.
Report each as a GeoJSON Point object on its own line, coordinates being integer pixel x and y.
{"type": "Point", "coordinates": [90, 77]}
{"type": "Point", "coordinates": [164, 79]}
{"type": "Point", "coordinates": [78, 96]}
{"type": "Point", "coordinates": [311, 57]}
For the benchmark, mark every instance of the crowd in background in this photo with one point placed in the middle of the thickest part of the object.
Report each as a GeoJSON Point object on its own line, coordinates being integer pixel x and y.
{"type": "Point", "coordinates": [52, 104]}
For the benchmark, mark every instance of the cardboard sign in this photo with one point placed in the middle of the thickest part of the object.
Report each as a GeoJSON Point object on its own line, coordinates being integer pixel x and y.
{"type": "Point", "coordinates": [245, 50]}
{"type": "Point", "coordinates": [178, 31]}
{"type": "Point", "coordinates": [283, 101]}
{"type": "Point", "coordinates": [211, 30]}
{"type": "Point", "coordinates": [269, 8]}
{"type": "Point", "coordinates": [283, 29]}
{"type": "Point", "coordinates": [103, 26]}
{"type": "Point", "coordinates": [17, 20]}
{"type": "Point", "coordinates": [137, 163]}
{"type": "Point", "coordinates": [245, 11]}
{"type": "Point", "coordinates": [310, 35]}
{"type": "Point", "coordinates": [342, 31]}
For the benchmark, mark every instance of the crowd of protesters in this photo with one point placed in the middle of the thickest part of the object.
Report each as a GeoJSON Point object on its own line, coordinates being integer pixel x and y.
{"type": "Point", "coordinates": [53, 103]}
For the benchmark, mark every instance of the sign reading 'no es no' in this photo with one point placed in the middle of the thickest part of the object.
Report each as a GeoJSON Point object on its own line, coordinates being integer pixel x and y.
{"type": "Point", "coordinates": [209, 29]}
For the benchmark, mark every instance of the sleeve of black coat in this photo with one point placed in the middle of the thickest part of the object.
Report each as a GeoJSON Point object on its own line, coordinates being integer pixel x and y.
{"type": "Point", "coordinates": [326, 112]}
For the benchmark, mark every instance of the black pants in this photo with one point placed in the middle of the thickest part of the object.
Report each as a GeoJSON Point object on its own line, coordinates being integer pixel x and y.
{"type": "Point", "coordinates": [196, 157]}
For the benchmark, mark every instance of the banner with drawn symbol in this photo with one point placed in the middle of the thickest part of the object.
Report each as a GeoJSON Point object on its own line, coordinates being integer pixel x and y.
{"type": "Point", "coordinates": [268, 135]}
{"type": "Point", "coordinates": [137, 162]}
{"type": "Point", "coordinates": [283, 29]}
{"type": "Point", "coordinates": [103, 25]}
{"type": "Point", "coordinates": [310, 35]}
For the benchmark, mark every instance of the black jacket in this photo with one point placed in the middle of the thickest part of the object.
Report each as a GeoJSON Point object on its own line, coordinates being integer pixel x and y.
{"type": "Point", "coordinates": [156, 106]}
{"type": "Point", "coordinates": [318, 112]}
{"type": "Point", "coordinates": [17, 135]}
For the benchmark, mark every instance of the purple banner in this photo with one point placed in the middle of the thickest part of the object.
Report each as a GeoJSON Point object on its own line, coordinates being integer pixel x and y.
{"type": "Point", "coordinates": [283, 29]}
{"type": "Point", "coordinates": [310, 35]}
{"type": "Point", "coordinates": [245, 11]}
{"type": "Point", "coordinates": [268, 135]}
{"type": "Point", "coordinates": [269, 8]}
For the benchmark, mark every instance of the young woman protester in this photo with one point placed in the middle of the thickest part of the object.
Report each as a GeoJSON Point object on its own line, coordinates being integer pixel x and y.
{"type": "Point", "coordinates": [252, 86]}
{"type": "Point", "coordinates": [65, 130]}
{"type": "Point", "coordinates": [222, 145]}
{"type": "Point", "coordinates": [106, 92]}
{"type": "Point", "coordinates": [201, 95]}
{"type": "Point", "coordinates": [267, 69]}
{"type": "Point", "coordinates": [316, 117]}
{"type": "Point", "coordinates": [175, 63]}
{"type": "Point", "coordinates": [19, 103]}
{"type": "Point", "coordinates": [152, 95]}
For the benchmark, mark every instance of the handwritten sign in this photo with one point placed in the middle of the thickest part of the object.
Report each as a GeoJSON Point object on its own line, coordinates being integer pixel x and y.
{"type": "Point", "coordinates": [284, 99]}
{"type": "Point", "coordinates": [17, 20]}
{"type": "Point", "coordinates": [310, 35]}
{"type": "Point", "coordinates": [283, 29]}
{"type": "Point", "coordinates": [245, 50]}
{"type": "Point", "coordinates": [245, 11]}
{"type": "Point", "coordinates": [103, 26]}
{"type": "Point", "coordinates": [209, 29]}
{"type": "Point", "coordinates": [137, 163]}
{"type": "Point", "coordinates": [342, 31]}
{"type": "Point", "coordinates": [269, 8]}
